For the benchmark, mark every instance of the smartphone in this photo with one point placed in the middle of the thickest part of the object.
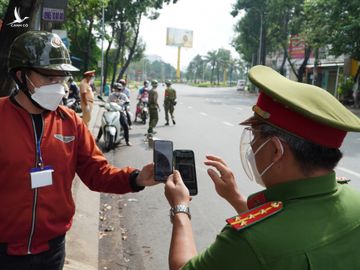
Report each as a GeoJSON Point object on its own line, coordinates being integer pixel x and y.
{"type": "Point", "coordinates": [184, 162]}
{"type": "Point", "coordinates": [163, 159]}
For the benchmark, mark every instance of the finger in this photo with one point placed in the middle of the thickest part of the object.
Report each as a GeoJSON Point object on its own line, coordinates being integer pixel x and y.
{"type": "Point", "coordinates": [214, 176]}
{"type": "Point", "coordinates": [177, 177]}
{"type": "Point", "coordinates": [216, 158]}
{"type": "Point", "coordinates": [223, 170]}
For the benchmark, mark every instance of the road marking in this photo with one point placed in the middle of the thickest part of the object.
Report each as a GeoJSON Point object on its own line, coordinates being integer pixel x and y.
{"type": "Point", "coordinates": [204, 114]}
{"type": "Point", "coordinates": [189, 107]}
{"type": "Point", "coordinates": [240, 109]}
{"type": "Point", "coordinates": [228, 124]}
{"type": "Point", "coordinates": [349, 171]}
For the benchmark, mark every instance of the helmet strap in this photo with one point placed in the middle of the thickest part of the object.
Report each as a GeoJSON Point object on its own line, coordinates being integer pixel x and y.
{"type": "Point", "coordinates": [24, 87]}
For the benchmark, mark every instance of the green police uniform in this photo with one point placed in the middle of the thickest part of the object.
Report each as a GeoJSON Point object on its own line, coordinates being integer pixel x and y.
{"type": "Point", "coordinates": [153, 110]}
{"type": "Point", "coordinates": [311, 223]}
{"type": "Point", "coordinates": [318, 228]}
{"type": "Point", "coordinates": [169, 103]}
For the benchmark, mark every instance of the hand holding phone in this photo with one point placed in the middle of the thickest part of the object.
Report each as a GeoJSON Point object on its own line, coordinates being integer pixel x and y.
{"type": "Point", "coordinates": [184, 162]}
{"type": "Point", "coordinates": [163, 159]}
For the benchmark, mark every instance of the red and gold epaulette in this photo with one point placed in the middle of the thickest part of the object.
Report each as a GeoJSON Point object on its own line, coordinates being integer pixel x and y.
{"type": "Point", "coordinates": [255, 215]}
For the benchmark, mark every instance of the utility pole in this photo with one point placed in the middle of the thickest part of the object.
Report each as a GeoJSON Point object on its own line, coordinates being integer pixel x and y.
{"type": "Point", "coordinates": [102, 49]}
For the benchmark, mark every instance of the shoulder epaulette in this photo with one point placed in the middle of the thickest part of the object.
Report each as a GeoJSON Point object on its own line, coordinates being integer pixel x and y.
{"type": "Point", "coordinates": [343, 180]}
{"type": "Point", "coordinates": [255, 215]}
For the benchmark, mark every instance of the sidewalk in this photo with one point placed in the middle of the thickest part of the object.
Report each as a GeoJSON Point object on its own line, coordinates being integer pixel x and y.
{"type": "Point", "coordinates": [82, 241]}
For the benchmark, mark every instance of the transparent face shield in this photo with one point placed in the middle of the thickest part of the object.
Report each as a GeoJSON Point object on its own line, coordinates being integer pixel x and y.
{"type": "Point", "coordinates": [246, 140]}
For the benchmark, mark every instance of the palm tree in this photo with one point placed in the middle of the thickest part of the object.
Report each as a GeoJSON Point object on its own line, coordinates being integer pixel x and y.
{"type": "Point", "coordinates": [223, 59]}
{"type": "Point", "coordinates": [211, 58]}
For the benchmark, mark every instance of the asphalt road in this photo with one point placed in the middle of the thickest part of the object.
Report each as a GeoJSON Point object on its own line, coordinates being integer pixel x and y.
{"type": "Point", "coordinates": [136, 232]}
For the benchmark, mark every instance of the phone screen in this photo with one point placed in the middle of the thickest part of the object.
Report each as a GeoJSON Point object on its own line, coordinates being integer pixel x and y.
{"type": "Point", "coordinates": [185, 164]}
{"type": "Point", "coordinates": [163, 159]}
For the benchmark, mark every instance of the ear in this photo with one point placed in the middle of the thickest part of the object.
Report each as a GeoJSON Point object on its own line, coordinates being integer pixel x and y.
{"type": "Point", "coordinates": [278, 149]}
{"type": "Point", "coordinates": [18, 75]}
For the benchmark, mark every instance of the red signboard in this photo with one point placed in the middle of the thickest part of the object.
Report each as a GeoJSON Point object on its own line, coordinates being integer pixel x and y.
{"type": "Point", "coordinates": [296, 47]}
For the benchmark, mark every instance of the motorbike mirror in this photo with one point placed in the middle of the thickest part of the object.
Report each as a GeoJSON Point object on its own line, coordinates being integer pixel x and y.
{"type": "Point", "coordinates": [101, 98]}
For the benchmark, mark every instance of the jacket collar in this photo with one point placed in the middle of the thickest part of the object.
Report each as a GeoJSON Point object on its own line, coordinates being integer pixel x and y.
{"type": "Point", "coordinates": [296, 189]}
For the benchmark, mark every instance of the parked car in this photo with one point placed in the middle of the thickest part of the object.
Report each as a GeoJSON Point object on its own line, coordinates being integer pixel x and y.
{"type": "Point", "coordinates": [240, 86]}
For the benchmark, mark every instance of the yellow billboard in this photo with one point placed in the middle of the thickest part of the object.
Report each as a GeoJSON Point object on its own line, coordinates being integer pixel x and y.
{"type": "Point", "coordinates": [179, 37]}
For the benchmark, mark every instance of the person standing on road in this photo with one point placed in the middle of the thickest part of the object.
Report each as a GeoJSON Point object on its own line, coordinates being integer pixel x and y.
{"type": "Point", "coordinates": [154, 107]}
{"type": "Point", "coordinates": [304, 219]}
{"type": "Point", "coordinates": [169, 102]}
{"type": "Point", "coordinates": [87, 95]}
{"type": "Point", "coordinates": [44, 146]}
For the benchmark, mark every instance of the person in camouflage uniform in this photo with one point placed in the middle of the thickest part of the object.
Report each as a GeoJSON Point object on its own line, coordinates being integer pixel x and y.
{"type": "Point", "coordinates": [153, 107]}
{"type": "Point", "coordinates": [169, 102]}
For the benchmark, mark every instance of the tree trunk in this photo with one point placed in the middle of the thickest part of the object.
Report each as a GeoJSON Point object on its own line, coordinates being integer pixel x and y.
{"type": "Point", "coordinates": [118, 50]}
{"type": "Point", "coordinates": [132, 50]}
{"type": "Point", "coordinates": [302, 68]}
{"type": "Point", "coordinates": [107, 55]}
{"type": "Point", "coordinates": [87, 52]}
{"type": "Point", "coordinates": [8, 34]}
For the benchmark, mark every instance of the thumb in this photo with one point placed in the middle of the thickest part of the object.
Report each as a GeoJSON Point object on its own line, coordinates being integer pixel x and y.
{"type": "Point", "coordinates": [177, 177]}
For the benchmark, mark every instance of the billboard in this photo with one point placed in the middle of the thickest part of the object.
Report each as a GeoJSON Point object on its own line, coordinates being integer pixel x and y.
{"type": "Point", "coordinates": [296, 47]}
{"type": "Point", "coordinates": [179, 37]}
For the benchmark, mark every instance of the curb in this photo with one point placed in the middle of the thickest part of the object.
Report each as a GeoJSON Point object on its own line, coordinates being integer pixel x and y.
{"type": "Point", "coordinates": [82, 240]}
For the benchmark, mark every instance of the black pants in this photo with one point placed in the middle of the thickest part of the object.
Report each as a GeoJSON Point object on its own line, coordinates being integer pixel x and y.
{"type": "Point", "coordinates": [128, 118]}
{"type": "Point", "coordinates": [53, 259]}
{"type": "Point", "coordinates": [124, 124]}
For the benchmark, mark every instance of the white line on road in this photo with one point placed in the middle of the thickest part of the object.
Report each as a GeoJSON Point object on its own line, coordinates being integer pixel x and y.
{"type": "Point", "coordinates": [189, 107]}
{"type": "Point", "coordinates": [349, 171]}
{"type": "Point", "coordinates": [228, 124]}
{"type": "Point", "coordinates": [204, 114]}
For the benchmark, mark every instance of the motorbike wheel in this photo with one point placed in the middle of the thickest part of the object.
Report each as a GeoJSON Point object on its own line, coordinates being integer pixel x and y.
{"type": "Point", "coordinates": [109, 142]}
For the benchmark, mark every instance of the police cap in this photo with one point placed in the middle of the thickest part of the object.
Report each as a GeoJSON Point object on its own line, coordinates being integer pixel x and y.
{"type": "Point", "coordinates": [302, 109]}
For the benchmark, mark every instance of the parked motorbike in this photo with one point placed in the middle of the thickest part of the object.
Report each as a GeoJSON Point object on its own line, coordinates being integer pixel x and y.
{"type": "Point", "coordinates": [73, 104]}
{"type": "Point", "coordinates": [110, 124]}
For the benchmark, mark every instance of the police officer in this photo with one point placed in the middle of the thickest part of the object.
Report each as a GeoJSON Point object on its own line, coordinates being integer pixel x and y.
{"type": "Point", "coordinates": [153, 107]}
{"type": "Point", "coordinates": [304, 218]}
{"type": "Point", "coordinates": [87, 95]}
{"type": "Point", "coordinates": [169, 102]}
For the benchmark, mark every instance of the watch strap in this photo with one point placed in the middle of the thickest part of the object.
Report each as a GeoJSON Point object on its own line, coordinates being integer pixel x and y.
{"type": "Point", "coordinates": [132, 180]}
{"type": "Point", "coordinates": [180, 208]}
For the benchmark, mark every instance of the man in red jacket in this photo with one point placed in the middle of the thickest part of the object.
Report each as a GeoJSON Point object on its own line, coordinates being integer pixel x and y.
{"type": "Point", "coordinates": [43, 146]}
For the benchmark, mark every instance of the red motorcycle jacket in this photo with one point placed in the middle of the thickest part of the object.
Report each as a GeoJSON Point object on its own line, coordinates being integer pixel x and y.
{"type": "Point", "coordinates": [30, 217]}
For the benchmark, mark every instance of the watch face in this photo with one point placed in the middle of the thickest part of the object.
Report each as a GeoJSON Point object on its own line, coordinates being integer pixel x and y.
{"type": "Point", "coordinates": [181, 208]}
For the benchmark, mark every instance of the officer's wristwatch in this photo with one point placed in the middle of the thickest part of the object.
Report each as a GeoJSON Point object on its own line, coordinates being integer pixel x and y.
{"type": "Point", "coordinates": [180, 208]}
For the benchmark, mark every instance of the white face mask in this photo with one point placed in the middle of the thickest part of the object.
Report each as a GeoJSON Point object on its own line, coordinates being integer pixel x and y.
{"type": "Point", "coordinates": [92, 80]}
{"type": "Point", "coordinates": [249, 163]}
{"type": "Point", "coordinates": [48, 96]}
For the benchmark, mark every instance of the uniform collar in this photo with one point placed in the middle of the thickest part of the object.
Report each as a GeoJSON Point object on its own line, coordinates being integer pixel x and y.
{"type": "Point", "coordinates": [296, 189]}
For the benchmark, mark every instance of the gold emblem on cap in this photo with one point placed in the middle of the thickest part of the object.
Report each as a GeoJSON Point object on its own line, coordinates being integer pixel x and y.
{"type": "Point", "coordinates": [56, 42]}
{"type": "Point", "coordinates": [260, 112]}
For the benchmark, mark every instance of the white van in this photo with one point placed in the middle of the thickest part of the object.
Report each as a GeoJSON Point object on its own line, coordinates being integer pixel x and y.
{"type": "Point", "coordinates": [240, 85]}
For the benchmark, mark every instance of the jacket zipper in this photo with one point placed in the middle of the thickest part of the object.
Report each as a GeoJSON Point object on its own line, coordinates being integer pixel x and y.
{"type": "Point", "coordinates": [38, 163]}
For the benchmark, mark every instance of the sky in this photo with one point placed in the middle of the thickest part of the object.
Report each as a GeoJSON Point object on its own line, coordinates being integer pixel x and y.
{"type": "Point", "coordinates": [210, 21]}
